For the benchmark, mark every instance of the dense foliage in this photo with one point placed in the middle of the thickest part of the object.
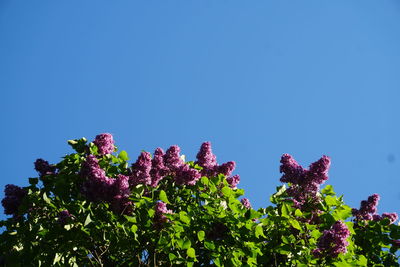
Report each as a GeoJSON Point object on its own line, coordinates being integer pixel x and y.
{"type": "Point", "coordinates": [94, 209]}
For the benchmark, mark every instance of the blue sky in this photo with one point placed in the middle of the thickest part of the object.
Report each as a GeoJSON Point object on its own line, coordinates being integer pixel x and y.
{"type": "Point", "coordinates": [256, 78]}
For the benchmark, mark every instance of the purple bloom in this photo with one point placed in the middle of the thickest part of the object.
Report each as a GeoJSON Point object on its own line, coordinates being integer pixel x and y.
{"type": "Point", "coordinates": [158, 170]}
{"type": "Point", "coordinates": [246, 203]}
{"type": "Point", "coordinates": [97, 187]}
{"type": "Point", "coordinates": [333, 241]}
{"type": "Point", "coordinates": [205, 157]}
{"type": "Point", "coordinates": [172, 159]}
{"type": "Point", "coordinates": [318, 171]}
{"type": "Point", "coordinates": [161, 208]}
{"type": "Point", "coordinates": [141, 170]}
{"type": "Point", "coordinates": [187, 176]}
{"type": "Point", "coordinates": [43, 167]}
{"type": "Point", "coordinates": [233, 181]}
{"type": "Point", "coordinates": [159, 217]}
{"type": "Point", "coordinates": [104, 143]}
{"type": "Point", "coordinates": [63, 217]}
{"type": "Point", "coordinates": [13, 198]}
{"type": "Point", "coordinates": [292, 171]}
{"type": "Point", "coordinates": [121, 185]}
{"type": "Point", "coordinates": [227, 168]}
{"type": "Point", "coordinates": [368, 209]}
{"type": "Point", "coordinates": [304, 184]}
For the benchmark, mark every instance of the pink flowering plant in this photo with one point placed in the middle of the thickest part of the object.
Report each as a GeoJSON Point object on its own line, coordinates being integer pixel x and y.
{"type": "Point", "coordinates": [94, 208]}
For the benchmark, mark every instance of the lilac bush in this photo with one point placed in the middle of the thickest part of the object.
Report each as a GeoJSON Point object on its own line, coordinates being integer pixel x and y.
{"type": "Point", "coordinates": [94, 208]}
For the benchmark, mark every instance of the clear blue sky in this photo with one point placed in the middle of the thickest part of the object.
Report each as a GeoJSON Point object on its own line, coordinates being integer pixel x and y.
{"type": "Point", "coordinates": [256, 78]}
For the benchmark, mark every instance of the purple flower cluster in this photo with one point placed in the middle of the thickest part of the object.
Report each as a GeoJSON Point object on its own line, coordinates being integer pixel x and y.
{"type": "Point", "coordinates": [208, 161]}
{"type": "Point", "coordinates": [159, 217]}
{"type": "Point", "coordinates": [368, 208]}
{"type": "Point", "coordinates": [104, 143]}
{"type": "Point", "coordinates": [246, 203]}
{"type": "Point", "coordinates": [333, 241]}
{"type": "Point", "coordinates": [64, 216]}
{"type": "Point", "coordinates": [158, 169]}
{"type": "Point", "coordinates": [43, 167]}
{"type": "Point", "coordinates": [187, 176]}
{"type": "Point", "coordinates": [150, 171]}
{"type": "Point", "coordinates": [368, 211]}
{"type": "Point", "coordinates": [233, 181]}
{"type": "Point", "coordinates": [304, 184]}
{"type": "Point", "coordinates": [13, 198]}
{"type": "Point", "coordinates": [141, 170]}
{"type": "Point", "coordinates": [172, 159]}
{"type": "Point", "coordinates": [99, 187]}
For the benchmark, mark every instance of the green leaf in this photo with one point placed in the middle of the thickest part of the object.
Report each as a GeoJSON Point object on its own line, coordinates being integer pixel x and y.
{"type": "Point", "coordinates": [295, 224]}
{"type": "Point", "coordinates": [123, 155]}
{"type": "Point", "coordinates": [226, 191]}
{"type": "Point", "coordinates": [209, 245]}
{"type": "Point", "coordinates": [331, 201]}
{"type": "Point", "coordinates": [57, 258]}
{"type": "Point", "coordinates": [88, 220]}
{"type": "Point", "coordinates": [328, 190]}
{"type": "Point", "coordinates": [191, 253]}
{"type": "Point", "coordinates": [130, 218]}
{"type": "Point", "coordinates": [298, 213]}
{"type": "Point", "coordinates": [134, 228]}
{"type": "Point", "coordinates": [342, 213]}
{"type": "Point", "coordinates": [186, 244]}
{"type": "Point", "coordinates": [163, 197]}
{"type": "Point", "coordinates": [259, 230]}
{"type": "Point", "coordinates": [285, 210]}
{"type": "Point", "coordinates": [46, 199]}
{"type": "Point", "coordinates": [201, 235]}
{"type": "Point", "coordinates": [183, 217]}
{"type": "Point", "coordinates": [204, 180]}
{"type": "Point", "coordinates": [362, 261]}
{"type": "Point", "coordinates": [171, 256]}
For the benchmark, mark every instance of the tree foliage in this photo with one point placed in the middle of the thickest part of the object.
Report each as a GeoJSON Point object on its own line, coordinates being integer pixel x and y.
{"type": "Point", "coordinates": [94, 209]}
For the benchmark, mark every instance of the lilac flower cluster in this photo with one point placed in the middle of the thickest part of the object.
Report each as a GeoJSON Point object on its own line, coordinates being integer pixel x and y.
{"type": "Point", "coordinates": [368, 208]}
{"type": "Point", "coordinates": [368, 211]}
{"type": "Point", "coordinates": [104, 143]}
{"type": "Point", "coordinates": [159, 217]}
{"type": "Point", "coordinates": [141, 170]}
{"type": "Point", "coordinates": [304, 183]}
{"type": "Point", "coordinates": [246, 203]}
{"type": "Point", "coordinates": [99, 187]}
{"type": "Point", "coordinates": [158, 169]}
{"type": "Point", "coordinates": [150, 171]}
{"type": "Point", "coordinates": [208, 161]}
{"type": "Point", "coordinates": [233, 181]}
{"type": "Point", "coordinates": [43, 167]}
{"type": "Point", "coordinates": [333, 241]}
{"type": "Point", "coordinates": [64, 216]}
{"type": "Point", "coordinates": [13, 198]}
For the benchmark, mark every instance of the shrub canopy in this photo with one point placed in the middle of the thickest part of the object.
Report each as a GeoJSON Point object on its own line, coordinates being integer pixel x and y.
{"type": "Point", "coordinates": [94, 209]}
